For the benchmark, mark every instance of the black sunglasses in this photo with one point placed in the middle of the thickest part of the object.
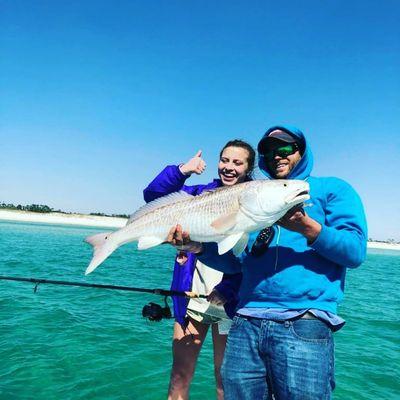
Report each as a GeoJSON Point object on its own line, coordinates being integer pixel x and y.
{"type": "Point", "coordinates": [282, 151]}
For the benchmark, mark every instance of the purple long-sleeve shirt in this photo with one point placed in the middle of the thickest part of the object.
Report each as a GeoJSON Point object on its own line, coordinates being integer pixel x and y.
{"type": "Point", "coordinates": [170, 180]}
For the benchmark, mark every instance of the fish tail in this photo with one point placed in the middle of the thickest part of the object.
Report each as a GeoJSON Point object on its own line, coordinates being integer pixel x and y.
{"type": "Point", "coordinates": [103, 246]}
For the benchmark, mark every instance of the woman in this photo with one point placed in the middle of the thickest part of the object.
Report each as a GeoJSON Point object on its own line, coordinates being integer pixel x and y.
{"type": "Point", "coordinates": [193, 318]}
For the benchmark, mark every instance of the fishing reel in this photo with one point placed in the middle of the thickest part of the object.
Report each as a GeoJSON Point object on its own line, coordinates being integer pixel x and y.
{"type": "Point", "coordinates": [155, 312]}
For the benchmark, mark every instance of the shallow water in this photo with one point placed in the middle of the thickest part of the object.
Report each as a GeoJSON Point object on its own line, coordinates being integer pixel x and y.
{"type": "Point", "coordinates": [81, 343]}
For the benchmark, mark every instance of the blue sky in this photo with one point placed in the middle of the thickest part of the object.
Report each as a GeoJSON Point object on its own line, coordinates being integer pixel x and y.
{"type": "Point", "coordinates": [98, 96]}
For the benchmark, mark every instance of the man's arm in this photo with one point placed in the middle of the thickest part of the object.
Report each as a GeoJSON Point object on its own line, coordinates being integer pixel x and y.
{"type": "Point", "coordinates": [342, 238]}
{"type": "Point", "coordinates": [227, 290]}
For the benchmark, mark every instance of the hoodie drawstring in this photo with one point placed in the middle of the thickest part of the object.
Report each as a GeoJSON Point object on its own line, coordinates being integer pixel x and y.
{"type": "Point", "coordinates": [277, 247]}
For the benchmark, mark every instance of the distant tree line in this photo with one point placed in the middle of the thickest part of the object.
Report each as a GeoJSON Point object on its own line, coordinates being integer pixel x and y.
{"type": "Point", "coordinates": [99, 214]}
{"type": "Point", "coordinates": [42, 208]}
{"type": "Point", "coordinates": [390, 241]}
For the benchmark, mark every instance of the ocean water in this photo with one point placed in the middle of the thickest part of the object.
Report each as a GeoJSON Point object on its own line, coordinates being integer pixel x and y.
{"type": "Point", "coordinates": [83, 343]}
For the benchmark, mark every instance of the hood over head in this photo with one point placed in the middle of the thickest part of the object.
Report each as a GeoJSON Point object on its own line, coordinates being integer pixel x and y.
{"type": "Point", "coordinates": [303, 168]}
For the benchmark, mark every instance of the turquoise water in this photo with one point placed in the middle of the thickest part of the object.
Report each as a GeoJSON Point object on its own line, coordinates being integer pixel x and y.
{"type": "Point", "coordinates": [80, 343]}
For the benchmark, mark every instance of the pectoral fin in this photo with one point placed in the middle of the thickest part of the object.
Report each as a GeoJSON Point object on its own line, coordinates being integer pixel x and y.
{"type": "Point", "coordinates": [224, 223]}
{"type": "Point", "coordinates": [146, 242]}
{"type": "Point", "coordinates": [229, 242]}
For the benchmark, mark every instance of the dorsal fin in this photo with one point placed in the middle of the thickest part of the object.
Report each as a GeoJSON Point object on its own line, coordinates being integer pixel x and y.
{"type": "Point", "coordinates": [158, 203]}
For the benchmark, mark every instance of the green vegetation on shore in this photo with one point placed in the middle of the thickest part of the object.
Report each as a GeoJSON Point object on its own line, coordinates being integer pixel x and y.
{"type": "Point", "coordinates": [110, 215]}
{"type": "Point", "coordinates": [42, 208]}
{"type": "Point", "coordinates": [388, 241]}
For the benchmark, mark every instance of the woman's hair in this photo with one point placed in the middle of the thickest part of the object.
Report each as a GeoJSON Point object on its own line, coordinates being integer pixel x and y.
{"type": "Point", "coordinates": [244, 145]}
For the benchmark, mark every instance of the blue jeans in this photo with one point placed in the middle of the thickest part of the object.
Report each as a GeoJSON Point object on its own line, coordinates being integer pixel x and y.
{"type": "Point", "coordinates": [288, 360]}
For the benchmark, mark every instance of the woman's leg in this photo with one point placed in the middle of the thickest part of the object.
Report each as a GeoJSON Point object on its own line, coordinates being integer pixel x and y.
{"type": "Point", "coordinates": [186, 346]}
{"type": "Point", "coordinates": [219, 342]}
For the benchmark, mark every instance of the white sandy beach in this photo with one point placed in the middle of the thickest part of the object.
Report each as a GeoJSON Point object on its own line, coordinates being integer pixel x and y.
{"type": "Point", "coordinates": [384, 246]}
{"type": "Point", "coordinates": [109, 222]}
{"type": "Point", "coordinates": [62, 219]}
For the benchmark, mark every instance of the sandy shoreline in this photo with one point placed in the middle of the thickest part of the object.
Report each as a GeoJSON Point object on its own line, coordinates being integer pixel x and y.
{"type": "Point", "coordinates": [109, 222]}
{"type": "Point", "coordinates": [63, 219]}
{"type": "Point", "coordinates": [384, 246]}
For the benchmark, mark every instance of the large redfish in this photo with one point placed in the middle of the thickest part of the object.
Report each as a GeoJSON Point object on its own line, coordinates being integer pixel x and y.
{"type": "Point", "coordinates": [225, 216]}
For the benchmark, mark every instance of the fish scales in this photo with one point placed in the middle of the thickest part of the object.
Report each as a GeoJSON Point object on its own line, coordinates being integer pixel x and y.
{"type": "Point", "coordinates": [194, 213]}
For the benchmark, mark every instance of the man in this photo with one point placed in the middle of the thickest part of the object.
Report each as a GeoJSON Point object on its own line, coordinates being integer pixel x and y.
{"type": "Point", "coordinates": [280, 345]}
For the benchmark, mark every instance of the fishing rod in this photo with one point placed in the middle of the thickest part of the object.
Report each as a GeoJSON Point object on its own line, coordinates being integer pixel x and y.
{"type": "Point", "coordinates": [160, 292]}
{"type": "Point", "coordinates": [152, 311]}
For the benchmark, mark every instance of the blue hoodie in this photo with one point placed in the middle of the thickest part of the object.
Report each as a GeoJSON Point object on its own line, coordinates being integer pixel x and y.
{"type": "Point", "coordinates": [294, 274]}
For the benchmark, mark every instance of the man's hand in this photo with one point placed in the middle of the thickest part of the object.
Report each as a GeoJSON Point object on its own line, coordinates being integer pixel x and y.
{"type": "Point", "coordinates": [216, 298]}
{"type": "Point", "coordinates": [195, 165]}
{"type": "Point", "coordinates": [181, 240]}
{"type": "Point", "coordinates": [297, 220]}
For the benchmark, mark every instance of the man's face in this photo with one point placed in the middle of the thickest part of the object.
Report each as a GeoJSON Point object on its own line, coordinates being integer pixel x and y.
{"type": "Point", "coordinates": [279, 162]}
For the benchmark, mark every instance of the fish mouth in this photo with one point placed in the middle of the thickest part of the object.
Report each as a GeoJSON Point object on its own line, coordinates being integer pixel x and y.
{"type": "Point", "coordinates": [304, 192]}
{"type": "Point", "coordinates": [298, 197]}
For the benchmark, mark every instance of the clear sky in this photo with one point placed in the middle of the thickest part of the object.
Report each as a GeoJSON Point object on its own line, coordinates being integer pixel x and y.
{"type": "Point", "coordinates": [98, 96]}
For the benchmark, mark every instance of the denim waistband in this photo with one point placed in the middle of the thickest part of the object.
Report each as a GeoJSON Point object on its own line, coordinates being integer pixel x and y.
{"type": "Point", "coordinates": [258, 321]}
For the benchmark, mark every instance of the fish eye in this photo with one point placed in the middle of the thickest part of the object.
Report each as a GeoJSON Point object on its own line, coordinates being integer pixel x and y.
{"type": "Point", "coordinates": [285, 184]}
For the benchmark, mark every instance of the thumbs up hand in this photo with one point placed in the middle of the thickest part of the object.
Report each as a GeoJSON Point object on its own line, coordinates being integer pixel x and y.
{"type": "Point", "coordinates": [195, 165]}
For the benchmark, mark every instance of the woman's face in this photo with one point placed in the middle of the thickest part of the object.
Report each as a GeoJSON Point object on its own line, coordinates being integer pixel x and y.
{"type": "Point", "coordinates": [233, 165]}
